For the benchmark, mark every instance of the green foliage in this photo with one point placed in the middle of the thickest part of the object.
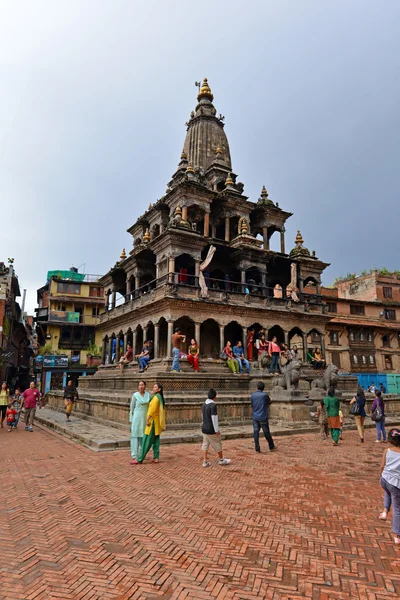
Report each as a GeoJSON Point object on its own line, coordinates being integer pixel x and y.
{"type": "Point", "coordinates": [93, 350]}
{"type": "Point", "coordinates": [46, 349]}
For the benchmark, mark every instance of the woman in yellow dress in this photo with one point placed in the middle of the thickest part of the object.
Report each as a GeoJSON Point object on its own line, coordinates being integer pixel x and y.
{"type": "Point", "coordinates": [155, 424]}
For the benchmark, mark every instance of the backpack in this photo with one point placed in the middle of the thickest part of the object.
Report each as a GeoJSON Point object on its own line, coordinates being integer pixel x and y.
{"type": "Point", "coordinates": [377, 414]}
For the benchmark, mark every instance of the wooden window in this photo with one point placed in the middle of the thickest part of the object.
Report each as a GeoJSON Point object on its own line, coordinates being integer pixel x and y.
{"type": "Point", "coordinates": [355, 359]}
{"type": "Point", "coordinates": [370, 337]}
{"type": "Point", "coordinates": [334, 338]}
{"type": "Point", "coordinates": [364, 359]}
{"type": "Point", "coordinates": [336, 359]}
{"type": "Point", "coordinates": [388, 362]}
{"type": "Point", "coordinates": [371, 359]}
{"type": "Point", "coordinates": [387, 292]}
{"type": "Point", "coordinates": [332, 307]}
{"type": "Point", "coordinates": [386, 341]}
{"type": "Point", "coordinates": [68, 288]}
{"type": "Point", "coordinates": [361, 336]}
{"type": "Point", "coordinates": [96, 292]}
{"type": "Point", "coordinates": [352, 336]}
{"type": "Point", "coordinates": [357, 309]}
{"type": "Point", "coordinates": [95, 311]}
{"type": "Point", "coordinates": [390, 314]}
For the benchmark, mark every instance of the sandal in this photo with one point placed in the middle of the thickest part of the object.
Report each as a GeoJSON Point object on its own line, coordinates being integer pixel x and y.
{"type": "Point", "coordinates": [396, 539]}
{"type": "Point", "coordinates": [383, 515]}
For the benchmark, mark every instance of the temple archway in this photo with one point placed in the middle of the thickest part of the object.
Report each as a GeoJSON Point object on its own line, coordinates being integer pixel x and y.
{"type": "Point", "coordinates": [233, 332]}
{"type": "Point", "coordinates": [276, 331]}
{"type": "Point", "coordinates": [296, 339]}
{"type": "Point", "coordinates": [185, 268]}
{"type": "Point", "coordinates": [163, 337]}
{"type": "Point", "coordinates": [209, 339]}
{"type": "Point", "coordinates": [186, 325]}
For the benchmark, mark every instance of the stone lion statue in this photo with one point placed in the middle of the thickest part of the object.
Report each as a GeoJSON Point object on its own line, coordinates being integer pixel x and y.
{"type": "Point", "coordinates": [290, 375]}
{"type": "Point", "coordinates": [329, 379]}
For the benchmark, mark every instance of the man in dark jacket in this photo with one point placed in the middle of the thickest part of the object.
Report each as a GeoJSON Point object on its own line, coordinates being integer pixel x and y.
{"type": "Point", "coordinates": [260, 402]}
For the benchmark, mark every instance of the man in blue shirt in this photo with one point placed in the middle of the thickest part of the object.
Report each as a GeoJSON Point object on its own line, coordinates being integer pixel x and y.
{"type": "Point", "coordinates": [260, 402]}
{"type": "Point", "coordinates": [238, 353]}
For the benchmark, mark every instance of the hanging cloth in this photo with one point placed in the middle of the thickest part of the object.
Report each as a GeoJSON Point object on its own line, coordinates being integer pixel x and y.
{"type": "Point", "coordinates": [203, 267]}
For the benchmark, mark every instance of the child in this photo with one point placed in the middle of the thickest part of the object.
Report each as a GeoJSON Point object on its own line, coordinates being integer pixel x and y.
{"type": "Point", "coordinates": [341, 424]}
{"type": "Point", "coordinates": [210, 431]}
{"type": "Point", "coordinates": [322, 420]}
{"type": "Point", "coordinates": [17, 406]}
{"type": "Point", "coordinates": [390, 482]}
{"type": "Point", "coordinates": [10, 416]}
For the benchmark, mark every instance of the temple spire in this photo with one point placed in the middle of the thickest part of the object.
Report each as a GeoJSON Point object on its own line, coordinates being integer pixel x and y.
{"type": "Point", "coordinates": [205, 91]}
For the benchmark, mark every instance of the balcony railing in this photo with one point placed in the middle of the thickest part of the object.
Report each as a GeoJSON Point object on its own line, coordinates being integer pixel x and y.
{"type": "Point", "coordinates": [187, 286]}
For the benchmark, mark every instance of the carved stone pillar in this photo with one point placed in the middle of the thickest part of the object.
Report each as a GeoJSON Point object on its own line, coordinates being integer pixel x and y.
{"type": "Point", "coordinates": [244, 340]}
{"type": "Point", "coordinates": [305, 348]}
{"type": "Point", "coordinates": [169, 339]}
{"type": "Point", "coordinates": [213, 231]}
{"type": "Point", "coordinates": [221, 337]}
{"type": "Point", "coordinates": [184, 213]}
{"type": "Point", "coordinates": [125, 348]}
{"type": "Point", "coordinates": [197, 333]}
{"type": "Point", "coordinates": [243, 281]}
{"type": "Point", "coordinates": [322, 340]}
{"type": "Point", "coordinates": [264, 283]}
{"type": "Point", "coordinates": [286, 334]}
{"type": "Point", "coordinates": [145, 330]}
{"type": "Point", "coordinates": [117, 340]}
{"type": "Point", "coordinates": [197, 272]}
{"type": "Point", "coordinates": [283, 241]}
{"type": "Point", "coordinates": [104, 351]}
{"type": "Point", "coordinates": [301, 289]}
{"type": "Point", "coordinates": [110, 350]}
{"type": "Point", "coordinates": [227, 229]}
{"type": "Point", "coordinates": [134, 342]}
{"type": "Point", "coordinates": [265, 238]}
{"type": "Point", "coordinates": [206, 224]}
{"type": "Point", "coordinates": [113, 297]}
{"type": "Point", "coordinates": [156, 340]}
{"type": "Point", "coordinates": [171, 269]}
{"type": "Point", "coordinates": [128, 290]}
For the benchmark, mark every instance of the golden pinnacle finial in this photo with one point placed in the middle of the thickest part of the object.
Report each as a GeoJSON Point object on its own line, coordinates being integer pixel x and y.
{"type": "Point", "coordinates": [299, 238]}
{"type": "Point", "coordinates": [190, 168]}
{"type": "Point", "coordinates": [178, 210]}
{"type": "Point", "coordinates": [244, 228]}
{"type": "Point", "coordinates": [147, 236]}
{"type": "Point", "coordinates": [264, 193]}
{"type": "Point", "coordinates": [205, 91]}
{"type": "Point", "coordinates": [229, 180]}
{"type": "Point", "coordinates": [218, 150]}
{"type": "Point", "coordinates": [123, 254]}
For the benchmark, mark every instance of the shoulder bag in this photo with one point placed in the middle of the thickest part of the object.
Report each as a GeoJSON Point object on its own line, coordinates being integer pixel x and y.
{"type": "Point", "coordinates": [355, 408]}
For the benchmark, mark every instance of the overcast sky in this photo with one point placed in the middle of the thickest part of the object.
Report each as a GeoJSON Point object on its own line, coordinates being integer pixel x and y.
{"type": "Point", "coordinates": [95, 95]}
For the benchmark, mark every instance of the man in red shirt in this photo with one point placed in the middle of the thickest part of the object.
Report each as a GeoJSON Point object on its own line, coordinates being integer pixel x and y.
{"type": "Point", "coordinates": [126, 358]}
{"type": "Point", "coordinates": [30, 398]}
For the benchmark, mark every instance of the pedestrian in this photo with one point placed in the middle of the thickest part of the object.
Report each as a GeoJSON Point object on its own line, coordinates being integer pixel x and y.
{"type": "Point", "coordinates": [260, 402]}
{"type": "Point", "coordinates": [4, 401]}
{"type": "Point", "coordinates": [274, 352]}
{"type": "Point", "coordinates": [323, 420]}
{"type": "Point", "coordinates": [144, 357]}
{"type": "Point", "coordinates": [11, 415]}
{"type": "Point", "coordinates": [382, 388]}
{"type": "Point", "coordinates": [378, 415]}
{"type": "Point", "coordinates": [372, 388]}
{"type": "Point", "coordinates": [231, 362]}
{"type": "Point", "coordinates": [155, 424]}
{"type": "Point", "coordinates": [390, 482]}
{"type": "Point", "coordinates": [30, 399]}
{"type": "Point", "coordinates": [358, 410]}
{"type": "Point", "coordinates": [126, 358]}
{"type": "Point", "coordinates": [17, 405]}
{"type": "Point", "coordinates": [193, 355]}
{"type": "Point", "coordinates": [249, 344]}
{"type": "Point", "coordinates": [295, 352]}
{"type": "Point", "coordinates": [341, 417]}
{"type": "Point", "coordinates": [332, 405]}
{"type": "Point", "coordinates": [238, 354]}
{"type": "Point", "coordinates": [177, 339]}
{"type": "Point", "coordinates": [137, 417]}
{"type": "Point", "coordinates": [70, 395]}
{"type": "Point", "coordinates": [210, 430]}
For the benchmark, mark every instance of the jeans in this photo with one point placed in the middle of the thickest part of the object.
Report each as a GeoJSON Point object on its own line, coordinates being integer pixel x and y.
{"type": "Point", "coordinates": [241, 362]}
{"type": "Point", "coordinates": [274, 363]}
{"type": "Point", "coordinates": [392, 499]}
{"type": "Point", "coordinates": [143, 360]}
{"type": "Point", "coordinates": [264, 425]}
{"type": "Point", "coordinates": [175, 363]}
{"type": "Point", "coordinates": [380, 429]}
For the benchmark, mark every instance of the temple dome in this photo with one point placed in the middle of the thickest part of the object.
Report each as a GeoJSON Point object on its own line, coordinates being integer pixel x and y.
{"type": "Point", "coordinates": [299, 251]}
{"type": "Point", "coordinates": [205, 134]}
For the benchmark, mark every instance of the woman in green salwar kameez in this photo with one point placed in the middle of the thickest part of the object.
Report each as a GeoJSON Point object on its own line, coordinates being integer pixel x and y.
{"type": "Point", "coordinates": [332, 406]}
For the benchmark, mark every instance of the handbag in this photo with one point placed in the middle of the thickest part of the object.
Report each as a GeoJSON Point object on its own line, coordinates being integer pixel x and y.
{"type": "Point", "coordinates": [377, 414]}
{"type": "Point", "coordinates": [223, 355]}
{"type": "Point", "coordinates": [355, 408]}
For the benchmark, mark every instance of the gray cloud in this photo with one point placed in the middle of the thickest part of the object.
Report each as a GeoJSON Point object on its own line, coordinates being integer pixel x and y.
{"type": "Point", "coordinates": [95, 95]}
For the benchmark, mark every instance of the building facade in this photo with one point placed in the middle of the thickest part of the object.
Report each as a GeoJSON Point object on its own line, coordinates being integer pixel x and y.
{"type": "Point", "coordinates": [69, 308]}
{"type": "Point", "coordinates": [201, 260]}
{"type": "Point", "coordinates": [363, 335]}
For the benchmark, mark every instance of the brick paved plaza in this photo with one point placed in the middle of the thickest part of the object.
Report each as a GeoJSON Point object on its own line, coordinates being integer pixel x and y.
{"type": "Point", "coordinates": [300, 523]}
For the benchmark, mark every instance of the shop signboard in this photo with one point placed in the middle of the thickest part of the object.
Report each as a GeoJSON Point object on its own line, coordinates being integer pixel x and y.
{"type": "Point", "coordinates": [55, 360]}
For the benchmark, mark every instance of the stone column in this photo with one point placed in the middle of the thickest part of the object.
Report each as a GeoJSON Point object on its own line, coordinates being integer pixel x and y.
{"type": "Point", "coordinates": [221, 337]}
{"type": "Point", "coordinates": [197, 272]}
{"type": "Point", "coordinates": [126, 342]}
{"type": "Point", "coordinates": [206, 224]}
{"type": "Point", "coordinates": [305, 348]}
{"type": "Point", "coordinates": [213, 231]}
{"type": "Point", "coordinates": [169, 338]}
{"type": "Point", "coordinates": [156, 340]}
{"type": "Point", "coordinates": [265, 238]}
{"type": "Point", "coordinates": [110, 350]}
{"type": "Point", "coordinates": [171, 270]}
{"type": "Point", "coordinates": [264, 283]}
{"type": "Point", "coordinates": [286, 334]}
{"type": "Point", "coordinates": [244, 342]}
{"type": "Point", "coordinates": [243, 281]}
{"type": "Point", "coordinates": [197, 333]}
{"type": "Point", "coordinates": [184, 213]}
{"type": "Point", "coordinates": [322, 340]}
{"type": "Point", "coordinates": [117, 340]}
{"type": "Point", "coordinates": [301, 289]}
{"type": "Point", "coordinates": [104, 351]}
{"type": "Point", "coordinates": [283, 241]}
{"type": "Point", "coordinates": [128, 289]}
{"type": "Point", "coordinates": [113, 297]}
{"type": "Point", "coordinates": [145, 330]}
{"type": "Point", "coordinates": [134, 340]}
{"type": "Point", "coordinates": [227, 229]}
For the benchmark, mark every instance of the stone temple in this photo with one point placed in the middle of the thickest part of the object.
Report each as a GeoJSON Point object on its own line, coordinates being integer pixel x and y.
{"type": "Point", "coordinates": [201, 260]}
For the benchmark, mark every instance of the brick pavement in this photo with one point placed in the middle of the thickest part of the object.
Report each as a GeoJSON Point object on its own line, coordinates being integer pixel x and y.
{"type": "Point", "coordinates": [300, 523]}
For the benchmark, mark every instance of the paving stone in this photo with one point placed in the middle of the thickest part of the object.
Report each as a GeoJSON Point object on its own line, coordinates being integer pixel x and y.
{"type": "Point", "coordinates": [299, 523]}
